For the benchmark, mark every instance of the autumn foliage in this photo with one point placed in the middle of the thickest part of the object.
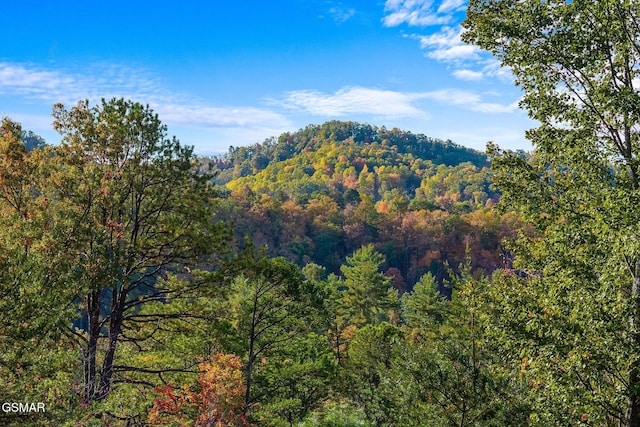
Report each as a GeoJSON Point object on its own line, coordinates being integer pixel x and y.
{"type": "Point", "coordinates": [217, 400]}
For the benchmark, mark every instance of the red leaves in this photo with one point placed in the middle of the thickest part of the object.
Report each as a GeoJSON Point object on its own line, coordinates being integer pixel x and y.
{"type": "Point", "coordinates": [219, 401]}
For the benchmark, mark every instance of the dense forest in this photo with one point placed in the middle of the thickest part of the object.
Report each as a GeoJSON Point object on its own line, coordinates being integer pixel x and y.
{"type": "Point", "coordinates": [239, 289]}
{"type": "Point", "coordinates": [421, 202]}
{"type": "Point", "coordinates": [343, 274]}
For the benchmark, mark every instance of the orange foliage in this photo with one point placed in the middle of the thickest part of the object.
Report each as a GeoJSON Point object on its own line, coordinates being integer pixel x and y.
{"type": "Point", "coordinates": [219, 401]}
{"type": "Point", "coordinates": [382, 207]}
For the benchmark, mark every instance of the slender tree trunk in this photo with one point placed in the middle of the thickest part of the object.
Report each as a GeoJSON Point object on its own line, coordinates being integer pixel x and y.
{"type": "Point", "coordinates": [252, 340]}
{"type": "Point", "coordinates": [632, 417]}
{"type": "Point", "coordinates": [115, 328]}
{"type": "Point", "coordinates": [89, 354]}
{"type": "Point", "coordinates": [247, 395]}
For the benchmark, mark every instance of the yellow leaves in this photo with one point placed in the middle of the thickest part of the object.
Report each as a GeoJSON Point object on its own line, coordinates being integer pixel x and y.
{"type": "Point", "coordinates": [219, 402]}
{"type": "Point", "coordinates": [536, 384]}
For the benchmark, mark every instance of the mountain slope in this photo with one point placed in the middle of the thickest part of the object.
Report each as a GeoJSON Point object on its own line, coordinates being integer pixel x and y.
{"type": "Point", "coordinates": [321, 193]}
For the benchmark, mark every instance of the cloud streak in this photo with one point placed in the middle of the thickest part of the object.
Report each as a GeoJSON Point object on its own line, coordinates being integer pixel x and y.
{"type": "Point", "coordinates": [417, 13]}
{"type": "Point", "coordinates": [340, 14]}
{"type": "Point", "coordinates": [469, 75]}
{"type": "Point", "coordinates": [385, 103]}
{"type": "Point", "coordinates": [445, 44]}
{"type": "Point", "coordinates": [470, 100]}
{"type": "Point", "coordinates": [353, 100]}
{"type": "Point", "coordinates": [108, 81]}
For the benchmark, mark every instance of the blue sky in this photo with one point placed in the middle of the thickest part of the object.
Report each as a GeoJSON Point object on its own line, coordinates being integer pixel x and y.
{"type": "Point", "coordinates": [223, 73]}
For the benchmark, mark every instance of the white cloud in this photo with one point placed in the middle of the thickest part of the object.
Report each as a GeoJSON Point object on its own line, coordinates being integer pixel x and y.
{"type": "Point", "coordinates": [341, 15]}
{"type": "Point", "coordinates": [446, 37]}
{"type": "Point", "coordinates": [446, 45]}
{"type": "Point", "coordinates": [385, 103]}
{"type": "Point", "coordinates": [468, 75]}
{"type": "Point", "coordinates": [420, 12]}
{"type": "Point", "coordinates": [452, 6]}
{"type": "Point", "coordinates": [95, 82]}
{"type": "Point", "coordinates": [470, 101]}
{"type": "Point", "coordinates": [17, 79]}
{"type": "Point", "coordinates": [487, 68]}
{"type": "Point", "coordinates": [454, 53]}
{"type": "Point", "coordinates": [353, 100]}
{"type": "Point", "coordinates": [492, 68]}
{"type": "Point", "coordinates": [108, 81]}
{"type": "Point", "coordinates": [207, 116]}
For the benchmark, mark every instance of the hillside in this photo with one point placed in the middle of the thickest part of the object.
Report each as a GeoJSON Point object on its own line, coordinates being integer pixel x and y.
{"type": "Point", "coordinates": [243, 161]}
{"type": "Point", "coordinates": [321, 193]}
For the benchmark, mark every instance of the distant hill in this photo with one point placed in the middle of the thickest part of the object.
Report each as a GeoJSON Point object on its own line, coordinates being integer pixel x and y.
{"type": "Point", "coordinates": [32, 140]}
{"type": "Point", "coordinates": [319, 194]}
{"type": "Point", "coordinates": [248, 160]}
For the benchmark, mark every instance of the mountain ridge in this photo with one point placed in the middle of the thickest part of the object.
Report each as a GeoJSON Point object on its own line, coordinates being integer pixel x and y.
{"type": "Point", "coordinates": [247, 160]}
{"type": "Point", "coordinates": [423, 203]}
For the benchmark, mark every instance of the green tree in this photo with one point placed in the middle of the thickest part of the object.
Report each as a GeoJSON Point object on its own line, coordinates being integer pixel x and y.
{"type": "Point", "coordinates": [97, 221]}
{"type": "Point", "coordinates": [369, 296]}
{"type": "Point", "coordinates": [449, 364]}
{"type": "Point", "coordinates": [577, 63]}
{"type": "Point", "coordinates": [271, 307]}
{"type": "Point", "coordinates": [35, 364]}
{"type": "Point", "coordinates": [369, 377]}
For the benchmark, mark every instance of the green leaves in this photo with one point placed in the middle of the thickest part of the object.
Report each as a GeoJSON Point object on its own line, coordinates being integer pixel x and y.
{"type": "Point", "coordinates": [572, 318]}
{"type": "Point", "coordinates": [369, 297]}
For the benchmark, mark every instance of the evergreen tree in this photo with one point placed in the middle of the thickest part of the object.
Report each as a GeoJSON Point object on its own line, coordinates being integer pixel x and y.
{"type": "Point", "coordinates": [369, 297]}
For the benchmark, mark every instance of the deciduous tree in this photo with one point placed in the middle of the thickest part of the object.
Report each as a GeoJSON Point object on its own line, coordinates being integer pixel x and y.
{"type": "Point", "coordinates": [578, 64]}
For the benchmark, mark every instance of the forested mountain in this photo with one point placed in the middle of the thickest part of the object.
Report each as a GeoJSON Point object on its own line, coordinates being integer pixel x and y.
{"type": "Point", "coordinates": [32, 140]}
{"type": "Point", "coordinates": [125, 300]}
{"type": "Point", "coordinates": [339, 275]}
{"type": "Point", "coordinates": [319, 194]}
{"type": "Point", "coordinates": [243, 161]}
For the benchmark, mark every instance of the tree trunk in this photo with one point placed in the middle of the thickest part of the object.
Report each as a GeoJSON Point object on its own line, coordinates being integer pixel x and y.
{"type": "Point", "coordinates": [89, 354]}
{"type": "Point", "coordinates": [632, 416]}
{"type": "Point", "coordinates": [115, 328]}
{"type": "Point", "coordinates": [252, 340]}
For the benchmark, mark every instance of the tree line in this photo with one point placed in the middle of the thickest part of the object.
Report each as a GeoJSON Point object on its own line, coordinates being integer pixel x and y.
{"type": "Point", "coordinates": [127, 300]}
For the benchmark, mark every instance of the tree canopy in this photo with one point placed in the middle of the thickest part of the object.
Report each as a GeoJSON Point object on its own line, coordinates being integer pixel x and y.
{"type": "Point", "coordinates": [578, 330]}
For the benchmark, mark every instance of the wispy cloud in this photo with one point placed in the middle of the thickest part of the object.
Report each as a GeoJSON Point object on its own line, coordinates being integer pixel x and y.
{"type": "Point", "coordinates": [420, 13]}
{"type": "Point", "coordinates": [341, 14]}
{"type": "Point", "coordinates": [207, 116]}
{"type": "Point", "coordinates": [17, 79]}
{"type": "Point", "coordinates": [470, 100]}
{"type": "Point", "coordinates": [353, 100]}
{"type": "Point", "coordinates": [338, 11]}
{"type": "Point", "coordinates": [468, 75]}
{"type": "Point", "coordinates": [450, 6]}
{"type": "Point", "coordinates": [446, 45]}
{"type": "Point", "coordinates": [486, 69]}
{"type": "Point", "coordinates": [416, 13]}
{"type": "Point", "coordinates": [108, 80]}
{"type": "Point", "coordinates": [385, 103]}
